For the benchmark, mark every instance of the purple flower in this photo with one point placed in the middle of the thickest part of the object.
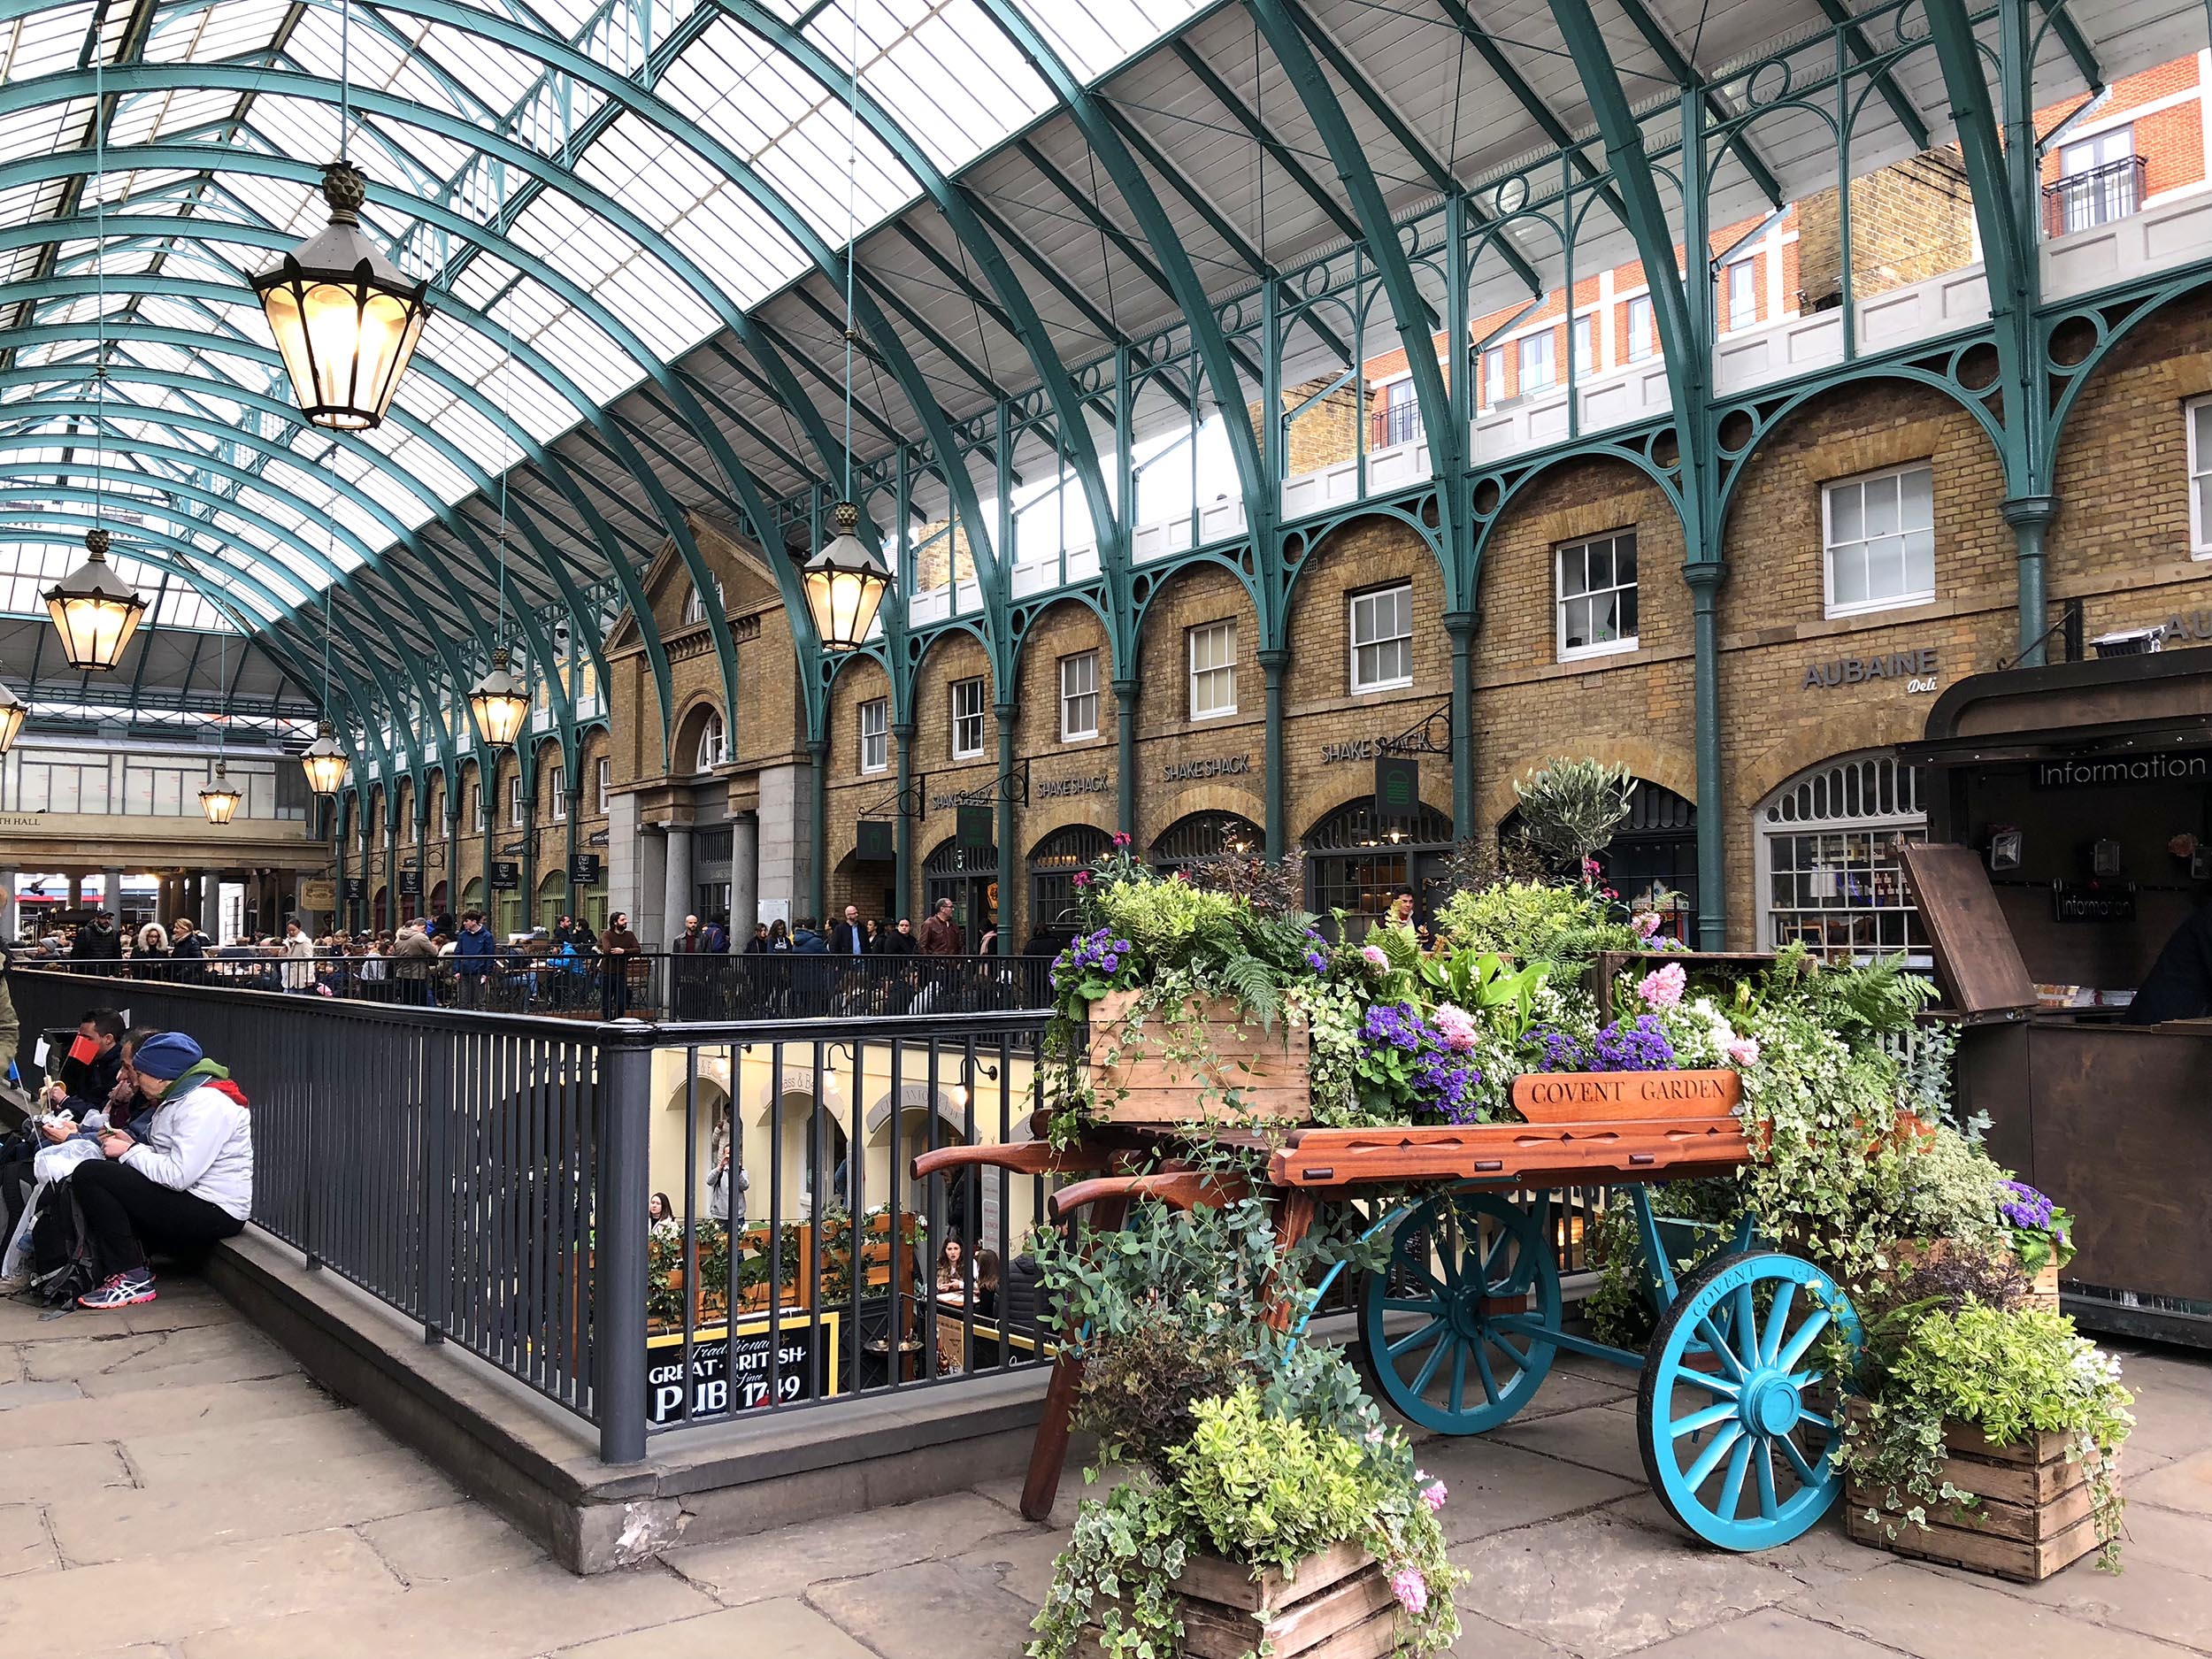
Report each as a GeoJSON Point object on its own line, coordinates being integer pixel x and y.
{"type": "Point", "coordinates": [1318, 963]}
{"type": "Point", "coordinates": [2023, 1207]}
{"type": "Point", "coordinates": [1638, 1047]}
{"type": "Point", "coordinates": [1561, 1052]}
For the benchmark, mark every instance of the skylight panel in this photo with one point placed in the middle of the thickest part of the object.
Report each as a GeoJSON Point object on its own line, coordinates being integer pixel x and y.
{"type": "Point", "coordinates": [42, 42]}
{"type": "Point", "coordinates": [597, 363]}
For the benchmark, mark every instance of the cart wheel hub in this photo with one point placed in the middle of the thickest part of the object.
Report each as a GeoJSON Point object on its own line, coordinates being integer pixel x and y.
{"type": "Point", "coordinates": [1771, 1405]}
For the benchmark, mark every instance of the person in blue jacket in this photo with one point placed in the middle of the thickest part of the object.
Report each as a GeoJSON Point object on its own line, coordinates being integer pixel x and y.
{"type": "Point", "coordinates": [474, 954]}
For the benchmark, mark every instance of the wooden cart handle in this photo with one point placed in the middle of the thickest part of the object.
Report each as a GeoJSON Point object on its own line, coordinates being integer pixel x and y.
{"type": "Point", "coordinates": [1182, 1189]}
{"type": "Point", "coordinates": [1030, 1157]}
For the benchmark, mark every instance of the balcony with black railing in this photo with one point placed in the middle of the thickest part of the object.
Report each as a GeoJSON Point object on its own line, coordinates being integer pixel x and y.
{"type": "Point", "coordinates": [1399, 423]}
{"type": "Point", "coordinates": [2083, 200]}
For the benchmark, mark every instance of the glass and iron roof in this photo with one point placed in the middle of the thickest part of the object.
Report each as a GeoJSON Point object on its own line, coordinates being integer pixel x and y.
{"type": "Point", "coordinates": [634, 219]}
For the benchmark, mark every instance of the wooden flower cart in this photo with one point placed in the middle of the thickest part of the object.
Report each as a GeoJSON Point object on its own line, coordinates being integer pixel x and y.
{"type": "Point", "coordinates": [1737, 1413]}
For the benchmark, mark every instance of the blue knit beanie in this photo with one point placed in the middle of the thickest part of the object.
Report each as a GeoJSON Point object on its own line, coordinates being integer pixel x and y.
{"type": "Point", "coordinates": [167, 1056]}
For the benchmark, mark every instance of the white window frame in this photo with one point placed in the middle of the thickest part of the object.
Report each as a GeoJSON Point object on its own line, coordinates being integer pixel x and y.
{"type": "Point", "coordinates": [559, 785]}
{"type": "Point", "coordinates": [1641, 323]}
{"type": "Point", "coordinates": [2199, 477]}
{"type": "Point", "coordinates": [969, 690]}
{"type": "Point", "coordinates": [1492, 374]}
{"type": "Point", "coordinates": [1541, 349]}
{"type": "Point", "coordinates": [514, 801]}
{"type": "Point", "coordinates": [1402, 592]}
{"type": "Point", "coordinates": [483, 816]}
{"type": "Point", "coordinates": [714, 746]}
{"type": "Point", "coordinates": [2077, 156]}
{"type": "Point", "coordinates": [1784, 814]}
{"type": "Point", "coordinates": [1828, 543]}
{"type": "Point", "coordinates": [873, 719]}
{"type": "Point", "coordinates": [1580, 547]}
{"type": "Point", "coordinates": [1078, 705]}
{"type": "Point", "coordinates": [606, 777]}
{"type": "Point", "coordinates": [1192, 637]}
{"type": "Point", "coordinates": [1582, 333]}
{"type": "Point", "coordinates": [1740, 280]}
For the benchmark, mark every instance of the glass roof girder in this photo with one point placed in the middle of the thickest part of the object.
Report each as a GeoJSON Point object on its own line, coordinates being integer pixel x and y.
{"type": "Point", "coordinates": [718, 402]}
{"type": "Point", "coordinates": [1685, 74]}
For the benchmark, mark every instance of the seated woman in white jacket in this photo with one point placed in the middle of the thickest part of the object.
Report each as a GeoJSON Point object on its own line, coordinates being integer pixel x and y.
{"type": "Point", "coordinates": [181, 1181]}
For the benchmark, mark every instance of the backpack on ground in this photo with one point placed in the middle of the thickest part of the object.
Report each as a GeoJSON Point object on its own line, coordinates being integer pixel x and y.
{"type": "Point", "coordinates": [65, 1264]}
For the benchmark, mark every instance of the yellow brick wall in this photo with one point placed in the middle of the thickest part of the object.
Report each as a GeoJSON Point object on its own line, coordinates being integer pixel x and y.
{"type": "Point", "coordinates": [1909, 222]}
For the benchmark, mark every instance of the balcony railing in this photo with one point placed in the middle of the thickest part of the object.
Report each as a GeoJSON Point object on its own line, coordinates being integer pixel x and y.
{"type": "Point", "coordinates": [1399, 423]}
{"type": "Point", "coordinates": [2082, 201]}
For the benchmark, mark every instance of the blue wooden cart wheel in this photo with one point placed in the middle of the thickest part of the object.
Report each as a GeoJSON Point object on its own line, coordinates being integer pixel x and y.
{"type": "Point", "coordinates": [1458, 1262]}
{"type": "Point", "coordinates": [1736, 1409]}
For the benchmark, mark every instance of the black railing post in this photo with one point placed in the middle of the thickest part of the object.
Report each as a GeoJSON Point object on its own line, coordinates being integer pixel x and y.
{"type": "Point", "coordinates": [618, 1245]}
{"type": "Point", "coordinates": [435, 1252]}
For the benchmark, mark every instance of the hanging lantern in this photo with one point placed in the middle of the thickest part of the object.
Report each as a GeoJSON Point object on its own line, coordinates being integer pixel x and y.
{"type": "Point", "coordinates": [344, 316]}
{"type": "Point", "coordinates": [845, 584]}
{"type": "Point", "coordinates": [325, 762]}
{"type": "Point", "coordinates": [501, 703]}
{"type": "Point", "coordinates": [94, 610]}
{"type": "Point", "coordinates": [220, 799]}
{"type": "Point", "coordinates": [12, 712]}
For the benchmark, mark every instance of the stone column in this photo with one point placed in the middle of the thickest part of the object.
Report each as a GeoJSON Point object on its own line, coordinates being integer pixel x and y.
{"type": "Point", "coordinates": [112, 892]}
{"type": "Point", "coordinates": [76, 890]}
{"type": "Point", "coordinates": [744, 878]}
{"type": "Point", "coordinates": [211, 903]}
{"type": "Point", "coordinates": [676, 885]}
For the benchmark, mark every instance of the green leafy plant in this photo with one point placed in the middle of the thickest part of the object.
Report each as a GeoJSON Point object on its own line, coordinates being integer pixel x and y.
{"type": "Point", "coordinates": [1535, 921]}
{"type": "Point", "coordinates": [1571, 808]}
{"type": "Point", "coordinates": [1267, 1490]}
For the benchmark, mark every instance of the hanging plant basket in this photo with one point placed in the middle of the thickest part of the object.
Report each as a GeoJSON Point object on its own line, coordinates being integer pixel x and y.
{"type": "Point", "coordinates": [1208, 1062]}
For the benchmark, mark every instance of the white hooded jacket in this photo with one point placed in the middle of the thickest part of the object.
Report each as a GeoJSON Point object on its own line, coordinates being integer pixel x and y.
{"type": "Point", "coordinates": [200, 1142]}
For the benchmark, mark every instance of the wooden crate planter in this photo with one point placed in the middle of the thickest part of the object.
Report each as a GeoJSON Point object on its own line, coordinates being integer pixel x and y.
{"type": "Point", "coordinates": [2043, 1292]}
{"type": "Point", "coordinates": [2034, 1517]}
{"type": "Point", "coordinates": [1243, 1072]}
{"type": "Point", "coordinates": [1338, 1607]}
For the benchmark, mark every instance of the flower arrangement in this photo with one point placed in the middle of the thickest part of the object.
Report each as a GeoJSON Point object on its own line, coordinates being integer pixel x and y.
{"type": "Point", "coordinates": [2041, 1232]}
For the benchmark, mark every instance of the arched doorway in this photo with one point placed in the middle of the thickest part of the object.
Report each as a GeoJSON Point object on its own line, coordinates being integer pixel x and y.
{"type": "Point", "coordinates": [1203, 835]}
{"type": "Point", "coordinates": [1652, 855]}
{"type": "Point", "coordinates": [1828, 871]}
{"type": "Point", "coordinates": [473, 895]}
{"type": "Point", "coordinates": [1356, 859]}
{"type": "Point", "coordinates": [969, 877]}
{"type": "Point", "coordinates": [438, 900]}
{"type": "Point", "coordinates": [379, 910]}
{"type": "Point", "coordinates": [1053, 864]}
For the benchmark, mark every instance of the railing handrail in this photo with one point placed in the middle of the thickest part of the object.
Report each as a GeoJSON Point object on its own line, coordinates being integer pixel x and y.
{"type": "Point", "coordinates": [2102, 170]}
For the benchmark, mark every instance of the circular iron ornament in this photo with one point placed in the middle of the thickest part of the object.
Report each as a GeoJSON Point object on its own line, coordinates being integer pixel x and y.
{"type": "Point", "coordinates": [1409, 241]}
{"type": "Point", "coordinates": [1456, 1326]}
{"type": "Point", "coordinates": [1910, 26]}
{"type": "Point", "coordinates": [1512, 194]}
{"type": "Point", "coordinates": [1771, 82]}
{"type": "Point", "coordinates": [1737, 1413]}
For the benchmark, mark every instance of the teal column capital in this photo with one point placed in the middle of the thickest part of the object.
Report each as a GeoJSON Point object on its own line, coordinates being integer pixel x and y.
{"type": "Point", "coordinates": [1706, 578]}
{"type": "Point", "coordinates": [2023, 510]}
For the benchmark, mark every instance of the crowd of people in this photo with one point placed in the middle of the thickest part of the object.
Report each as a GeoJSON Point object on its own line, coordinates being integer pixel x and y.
{"type": "Point", "coordinates": [571, 968]}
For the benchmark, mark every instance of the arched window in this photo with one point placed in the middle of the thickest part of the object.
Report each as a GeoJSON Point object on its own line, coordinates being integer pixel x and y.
{"type": "Point", "coordinates": [713, 749]}
{"type": "Point", "coordinates": [1356, 859]}
{"type": "Point", "coordinates": [1203, 835]}
{"type": "Point", "coordinates": [1828, 875]}
{"type": "Point", "coordinates": [1653, 853]}
{"type": "Point", "coordinates": [969, 877]}
{"type": "Point", "coordinates": [1053, 862]}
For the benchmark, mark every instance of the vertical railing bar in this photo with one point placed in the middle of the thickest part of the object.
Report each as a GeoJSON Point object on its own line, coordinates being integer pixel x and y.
{"type": "Point", "coordinates": [775, 1215]}
{"type": "Point", "coordinates": [691, 1286]}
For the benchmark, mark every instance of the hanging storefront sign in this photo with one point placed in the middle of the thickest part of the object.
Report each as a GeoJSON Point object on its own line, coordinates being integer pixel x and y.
{"type": "Point", "coordinates": [583, 869]}
{"type": "Point", "coordinates": [410, 882]}
{"type": "Point", "coordinates": [357, 888]}
{"type": "Point", "coordinates": [873, 843]}
{"type": "Point", "coordinates": [1916, 669]}
{"type": "Point", "coordinates": [1397, 787]}
{"type": "Point", "coordinates": [506, 873]}
{"type": "Point", "coordinates": [972, 827]}
{"type": "Point", "coordinates": [315, 894]}
{"type": "Point", "coordinates": [730, 1370]}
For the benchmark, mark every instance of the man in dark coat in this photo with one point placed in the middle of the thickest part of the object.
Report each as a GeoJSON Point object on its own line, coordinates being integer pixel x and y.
{"type": "Point", "coordinates": [99, 939]}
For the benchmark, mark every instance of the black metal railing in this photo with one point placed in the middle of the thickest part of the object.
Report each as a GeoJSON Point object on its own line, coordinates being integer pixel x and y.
{"type": "Point", "coordinates": [2082, 201]}
{"type": "Point", "coordinates": [490, 1176]}
{"type": "Point", "coordinates": [648, 986]}
{"type": "Point", "coordinates": [1399, 423]}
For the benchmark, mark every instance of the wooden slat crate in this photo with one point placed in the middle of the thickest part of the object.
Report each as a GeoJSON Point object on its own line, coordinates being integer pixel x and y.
{"type": "Point", "coordinates": [2033, 1517]}
{"type": "Point", "coordinates": [1246, 1074]}
{"type": "Point", "coordinates": [1338, 1607]}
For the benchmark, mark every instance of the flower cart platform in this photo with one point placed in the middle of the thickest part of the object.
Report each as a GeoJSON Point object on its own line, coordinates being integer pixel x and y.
{"type": "Point", "coordinates": [1736, 1414]}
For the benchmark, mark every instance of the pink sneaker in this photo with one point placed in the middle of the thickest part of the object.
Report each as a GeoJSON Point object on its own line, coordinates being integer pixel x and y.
{"type": "Point", "coordinates": [123, 1290]}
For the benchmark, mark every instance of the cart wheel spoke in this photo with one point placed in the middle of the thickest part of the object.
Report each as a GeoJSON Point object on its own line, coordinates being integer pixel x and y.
{"type": "Point", "coordinates": [1808, 1333]}
{"type": "Point", "coordinates": [1718, 1346]}
{"type": "Point", "coordinates": [1489, 1379]}
{"type": "Point", "coordinates": [1408, 1305]}
{"type": "Point", "coordinates": [1797, 1461]}
{"type": "Point", "coordinates": [1743, 1331]}
{"type": "Point", "coordinates": [1412, 1339]}
{"type": "Point", "coordinates": [1459, 1373]}
{"type": "Point", "coordinates": [1768, 1508]}
{"type": "Point", "coordinates": [1701, 1470]}
{"type": "Point", "coordinates": [1711, 1384]}
{"type": "Point", "coordinates": [1699, 1421]}
{"type": "Point", "coordinates": [1815, 1420]}
{"type": "Point", "coordinates": [1731, 1488]}
{"type": "Point", "coordinates": [1428, 1367]}
{"type": "Point", "coordinates": [1777, 1321]}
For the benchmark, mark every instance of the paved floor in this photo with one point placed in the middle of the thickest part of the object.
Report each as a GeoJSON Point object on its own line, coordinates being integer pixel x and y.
{"type": "Point", "coordinates": [172, 1487]}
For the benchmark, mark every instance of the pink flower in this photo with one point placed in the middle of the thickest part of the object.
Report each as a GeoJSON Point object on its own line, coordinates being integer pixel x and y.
{"type": "Point", "coordinates": [1457, 1026]}
{"type": "Point", "coordinates": [1662, 988]}
{"type": "Point", "coordinates": [1411, 1589]}
{"type": "Point", "coordinates": [1376, 956]}
{"type": "Point", "coordinates": [1120, 839]}
{"type": "Point", "coordinates": [1646, 922]}
{"type": "Point", "coordinates": [1433, 1495]}
{"type": "Point", "coordinates": [1591, 869]}
{"type": "Point", "coordinates": [1082, 878]}
{"type": "Point", "coordinates": [1744, 1051]}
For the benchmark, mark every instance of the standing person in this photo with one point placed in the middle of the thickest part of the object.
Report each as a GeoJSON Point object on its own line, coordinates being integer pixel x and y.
{"type": "Point", "coordinates": [298, 951]}
{"type": "Point", "coordinates": [874, 946]}
{"type": "Point", "coordinates": [850, 937]}
{"type": "Point", "coordinates": [182, 1179]}
{"type": "Point", "coordinates": [618, 946]}
{"type": "Point", "coordinates": [689, 974]}
{"type": "Point", "coordinates": [805, 940]}
{"type": "Point", "coordinates": [725, 1191]}
{"type": "Point", "coordinates": [99, 939]}
{"type": "Point", "coordinates": [757, 945]}
{"type": "Point", "coordinates": [414, 959]}
{"type": "Point", "coordinates": [901, 940]}
{"type": "Point", "coordinates": [472, 955]}
{"type": "Point", "coordinates": [940, 935]}
{"type": "Point", "coordinates": [189, 951]}
{"type": "Point", "coordinates": [778, 937]}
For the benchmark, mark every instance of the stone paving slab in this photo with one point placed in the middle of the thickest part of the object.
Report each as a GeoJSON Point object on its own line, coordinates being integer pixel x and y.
{"type": "Point", "coordinates": [1591, 1437]}
{"type": "Point", "coordinates": [793, 1558]}
{"type": "Point", "coordinates": [25, 1545]}
{"type": "Point", "coordinates": [764, 1628]}
{"type": "Point", "coordinates": [920, 1610]}
{"type": "Point", "coordinates": [1934, 1614]}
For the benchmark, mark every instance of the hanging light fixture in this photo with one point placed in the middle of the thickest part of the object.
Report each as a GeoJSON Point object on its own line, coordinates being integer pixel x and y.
{"type": "Point", "coordinates": [346, 319]}
{"type": "Point", "coordinates": [220, 799]}
{"type": "Point", "coordinates": [500, 703]}
{"type": "Point", "coordinates": [844, 582]}
{"type": "Point", "coordinates": [14, 710]}
{"type": "Point", "coordinates": [326, 764]}
{"type": "Point", "coordinates": [94, 610]}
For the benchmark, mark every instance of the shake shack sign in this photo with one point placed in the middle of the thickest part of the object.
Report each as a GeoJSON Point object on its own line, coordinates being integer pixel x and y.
{"type": "Point", "coordinates": [1214, 767]}
{"type": "Point", "coordinates": [1098, 783]}
{"type": "Point", "coordinates": [1916, 669]}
